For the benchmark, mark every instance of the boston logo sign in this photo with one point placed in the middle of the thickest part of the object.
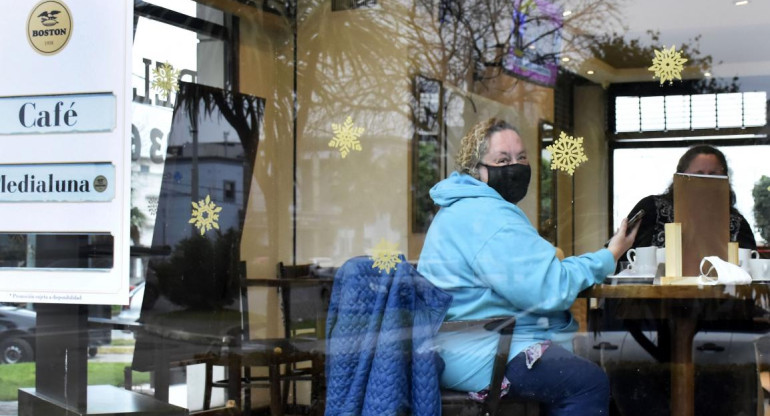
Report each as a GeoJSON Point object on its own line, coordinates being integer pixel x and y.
{"type": "Point", "coordinates": [49, 27]}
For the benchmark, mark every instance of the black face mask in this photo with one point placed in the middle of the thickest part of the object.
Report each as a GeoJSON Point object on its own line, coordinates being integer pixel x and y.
{"type": "Point", "coordinates": [510, 181]}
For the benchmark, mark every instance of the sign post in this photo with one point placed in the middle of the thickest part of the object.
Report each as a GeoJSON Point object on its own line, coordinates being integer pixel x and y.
{"type": "Point", "coordinates": [66, 159]}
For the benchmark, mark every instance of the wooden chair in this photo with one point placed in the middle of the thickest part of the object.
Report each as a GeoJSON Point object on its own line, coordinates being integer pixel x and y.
{"type": "Point", "coordinates": [458, 403]}
{"type": "Point", "coordinates": [302, 344]}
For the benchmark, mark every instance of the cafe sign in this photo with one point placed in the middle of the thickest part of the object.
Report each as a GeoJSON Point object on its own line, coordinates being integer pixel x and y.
{"type": "Point", "coordinates": [65, 165]}
{"type": "Point", "coordinates": [68, 113]}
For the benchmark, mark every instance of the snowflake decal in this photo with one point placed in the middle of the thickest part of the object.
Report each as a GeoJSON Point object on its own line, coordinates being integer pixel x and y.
{"type": "Point", "coordinates": [667, 65]}
{"type": "Point", "coordinates": [164, 79]}
{"type": "Point", "coordinates": [346, 137]}
{"type": "Point", "coordinates": [152, 205]}
{"type": "Point", "coordinates": [385, 256]}
{"type": "Point", "coordinates": [205, 214]}
{"type": "Point", "coordinates": [567, 153]}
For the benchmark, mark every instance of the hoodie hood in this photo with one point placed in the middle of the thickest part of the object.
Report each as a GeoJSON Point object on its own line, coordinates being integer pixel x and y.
{"type": "Point", "coordinates": [458, 186]}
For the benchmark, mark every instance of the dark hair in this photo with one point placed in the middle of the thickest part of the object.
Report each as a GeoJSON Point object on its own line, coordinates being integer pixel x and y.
{"type": "Point", "coordinates": [697, 150]}
{"type": "Point", "coordinates": [690, 155]}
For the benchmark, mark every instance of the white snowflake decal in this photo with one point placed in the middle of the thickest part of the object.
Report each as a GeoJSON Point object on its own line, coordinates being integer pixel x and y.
{"type": "Point", "coordinates": [346, 137]}
{"type": "Point", "coordinates": [667, 65]}
{"type": "Point", "coordinates": [205, 214]}
{"type": "Point", "coordinates": [385, 256]}
{"type": "Point", "coordinates": [567, 153]}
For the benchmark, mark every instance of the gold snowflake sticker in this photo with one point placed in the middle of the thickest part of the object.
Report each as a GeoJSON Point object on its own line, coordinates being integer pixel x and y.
{"type": "Point", "coordinates": [164, 79]}
{"type": "Point", "coordinates": [567, 153]}
{"type": "Point", "coordinates": [385, 256]}
{"type": "Point", "coordinates": [205, 214]}
{"type": "Point", "coordinates": [667, 65]}
{"type": "Point", "coordinates": [346, 137]}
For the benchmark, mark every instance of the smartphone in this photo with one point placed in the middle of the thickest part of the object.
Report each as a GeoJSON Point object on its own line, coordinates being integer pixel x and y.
{"type": "Point", "coordinates": [633, 221]}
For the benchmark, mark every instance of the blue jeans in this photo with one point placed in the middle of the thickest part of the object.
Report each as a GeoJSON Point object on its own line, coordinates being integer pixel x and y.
{"type": "Point", "coordinates": [564, 383]}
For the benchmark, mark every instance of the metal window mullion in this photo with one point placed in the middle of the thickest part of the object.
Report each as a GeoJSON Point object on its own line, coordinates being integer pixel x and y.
{"type": "Point", "coordinates": [743, 110]}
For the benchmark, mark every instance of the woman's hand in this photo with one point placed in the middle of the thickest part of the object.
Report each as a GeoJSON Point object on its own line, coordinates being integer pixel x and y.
{"type": "Point", "coordinates": [620, 242]}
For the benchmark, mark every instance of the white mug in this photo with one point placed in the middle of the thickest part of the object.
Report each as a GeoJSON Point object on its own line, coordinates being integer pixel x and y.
{"type": "Point", "coordinates": [744, 254]}
{"type": "Point", "coordinates": [644, 260]}
{"type": "Point", "coordinates": [759, 269]}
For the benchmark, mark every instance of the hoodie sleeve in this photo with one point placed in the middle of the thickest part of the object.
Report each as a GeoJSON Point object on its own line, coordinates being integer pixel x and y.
{"type": "Point", "coordinates": [522, 267]}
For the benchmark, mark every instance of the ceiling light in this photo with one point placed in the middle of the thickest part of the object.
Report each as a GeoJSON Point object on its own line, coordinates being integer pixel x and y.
{"type": "Point", "coordinates": [565, 59]}
{"type": "Point", "coordinates": [531, 46]}
{"type": "Point", "coordinates": [741, 2]}
{"type": "Point", "coordinates": [590, 72]}
{"type": "Point", "coordinates": [569, 12]}
{"type": "Point", "coordinates": [707, 74]}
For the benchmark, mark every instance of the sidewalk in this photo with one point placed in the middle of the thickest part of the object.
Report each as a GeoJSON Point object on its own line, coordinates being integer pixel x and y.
{"type": "Point", "coordinates": [9, 408]}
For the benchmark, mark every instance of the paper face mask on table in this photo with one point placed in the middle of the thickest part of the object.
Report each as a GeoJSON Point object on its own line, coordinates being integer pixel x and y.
{"type": "Point", "coordinates": [510, 181]}
{"type": "Point", "coordinates": [727, 273]}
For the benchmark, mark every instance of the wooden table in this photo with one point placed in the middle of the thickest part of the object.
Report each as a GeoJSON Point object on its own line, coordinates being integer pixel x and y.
{"type": "Point", "coordinates": [683, 311]}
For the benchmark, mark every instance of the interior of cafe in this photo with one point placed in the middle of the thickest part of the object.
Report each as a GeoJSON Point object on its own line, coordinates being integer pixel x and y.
{"type": "Point", "coordinates": [274, 142]}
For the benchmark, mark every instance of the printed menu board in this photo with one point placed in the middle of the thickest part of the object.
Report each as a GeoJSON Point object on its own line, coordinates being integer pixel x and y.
{"type": "Point", "coordinates": [702, 206]}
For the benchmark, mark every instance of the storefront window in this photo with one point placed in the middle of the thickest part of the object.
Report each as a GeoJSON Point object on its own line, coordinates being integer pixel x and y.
{"type": "Point", "coordinates": [281, 150]}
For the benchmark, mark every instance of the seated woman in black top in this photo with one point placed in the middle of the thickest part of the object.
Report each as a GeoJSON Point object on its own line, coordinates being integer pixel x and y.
{"type": "Point", "coordinates": [659, 209]}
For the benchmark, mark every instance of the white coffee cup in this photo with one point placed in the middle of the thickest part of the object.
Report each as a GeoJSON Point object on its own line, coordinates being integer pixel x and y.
{"type": "Point", "coordinates": [744, 254]}
{"type": "Point", "coordinates": [660, 255]}
{"type": "Point", "coordinates": [644, 260]}
{"type": "Point", "coordinates": [759, 269]}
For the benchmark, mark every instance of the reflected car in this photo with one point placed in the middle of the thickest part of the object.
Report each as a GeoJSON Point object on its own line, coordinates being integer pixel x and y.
{"type": "Point", "coordinates": [17, 332]}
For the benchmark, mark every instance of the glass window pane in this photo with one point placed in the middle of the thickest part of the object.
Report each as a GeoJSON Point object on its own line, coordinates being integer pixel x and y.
{"type": "Point", "coordinates": [627, 114]}
{"type": "Point", "coordinates": [747, 165]}
{"type": "Point", "coordinates": [704, 111]}
{"type": "Point", "coordinates": [754, 109]}
{"type": "Point", "coordinates": [677, 112]}
{"type": "Point", "coordinates": [729, 111]}
{"type": "Point", "coordinates": [653, 116]}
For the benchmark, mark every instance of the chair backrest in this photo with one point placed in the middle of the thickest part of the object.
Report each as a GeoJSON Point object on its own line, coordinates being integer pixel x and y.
{"type": "Point", "coordinates": [304, 303]}
{"type": "Point", "coordinates": [450, 399]}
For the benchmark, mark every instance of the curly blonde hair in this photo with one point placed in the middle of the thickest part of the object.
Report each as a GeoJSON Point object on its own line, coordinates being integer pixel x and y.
{"type": "Point", "coordinates": [475, 145]}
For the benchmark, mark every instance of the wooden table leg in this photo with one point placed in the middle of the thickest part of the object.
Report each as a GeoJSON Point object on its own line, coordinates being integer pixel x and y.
{"type": "Point", "coordinates": [683, 328]}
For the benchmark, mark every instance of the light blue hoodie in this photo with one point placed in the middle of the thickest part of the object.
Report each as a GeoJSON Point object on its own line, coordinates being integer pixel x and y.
{"type": "Point", "coordinates": [484, 251]}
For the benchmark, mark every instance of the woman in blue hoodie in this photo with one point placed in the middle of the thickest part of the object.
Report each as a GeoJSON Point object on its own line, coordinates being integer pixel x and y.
{"type": "Point", "coordinates": [482, 249]}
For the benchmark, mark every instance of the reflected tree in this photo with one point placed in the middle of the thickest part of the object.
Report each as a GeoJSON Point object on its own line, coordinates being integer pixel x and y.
{"type": "Point", "coordinates": [202, 273]}
{"type": "Point", "coordinates": [761, 194]}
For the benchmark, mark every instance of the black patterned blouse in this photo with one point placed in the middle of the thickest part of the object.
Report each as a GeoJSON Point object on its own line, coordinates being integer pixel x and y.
{"type": "Point", "coordinates": [659, 210]}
